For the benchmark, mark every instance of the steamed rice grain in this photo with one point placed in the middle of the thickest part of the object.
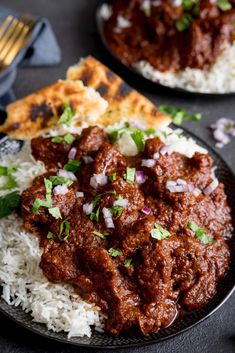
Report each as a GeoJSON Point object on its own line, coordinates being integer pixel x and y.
{"type": "Point", "coordinates": [220, 78]}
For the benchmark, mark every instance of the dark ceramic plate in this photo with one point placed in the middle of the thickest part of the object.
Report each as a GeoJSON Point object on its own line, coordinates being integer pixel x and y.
{"type": "Point", "coordinates": [102, 340]}
{"type": "Point", "coordinates": [100, 26]}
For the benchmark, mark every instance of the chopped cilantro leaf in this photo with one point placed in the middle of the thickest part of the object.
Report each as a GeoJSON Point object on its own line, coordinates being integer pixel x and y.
{"type": "Point", "coordinates": [150, 131]}
{"type": "Point", "coordinates": [112, 177]}
{"type": "Point", "coordinates": [127, 263]}
{"type": "Point", "coordinates": [48, 186]}
{"type": "Point", "coordinates": [64, 229]}
{"type": "Point", "coordinates": [8, 203]}
{"type": "Point", "coordinates": [67, 138]}
{"type": "Point", "coordinates": [184, 22]}
{"type": "Point", "coordinates": [43, 203]}
{"type": "Point", "coordinates": [57, 180]}
{"type": "Point", "coordinates": [129, 176]}
{"type": "Point", "coordinates": [39, 203]}
{"type": "Point", "coordinates": [188, 4]}
{"type": "Point", "coordinates": [139, 139]}
{"type": "Point", "coordinates": [55, 212]}
{"type": "Point", "coordinates": [100, 235]}
{"type": "Point", "coordinates": [179, 115]}
{"type": "Point", "coordinates": [114, 252]}
{"type": "Point", "coordinates": [57, 139]}
{"type": "Point", "coordinates": [50, 235]}
{"type": "Point", "coordinates": [9, 184]}
{"type": "Point", "coordinates": [159, 233]}
{"type": "Point", "coordinates": [3, 170]}
{"type": "Point", "coordinates": [96, 199]}
{"type": "Point", "coordinates": [72, 166]}
{"type": "Point", "coordinates": [95, 215]}
{"type": "Point", "coordinates": [224, 5]}
{"type": "Point", "coordinates": [116, 211]}
{"type": "Point", "coordinates": [7, 172]}
{"type": "Point", "coordinates": [147, 11]}
{"type": "Point", "coordinates": [68, 114]}
{"type": "Point", "coordinates": [200, 233]}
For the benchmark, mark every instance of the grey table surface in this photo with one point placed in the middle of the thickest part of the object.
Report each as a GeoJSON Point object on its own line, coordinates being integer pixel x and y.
{"type": "Point", "coordinates": [74, 25]}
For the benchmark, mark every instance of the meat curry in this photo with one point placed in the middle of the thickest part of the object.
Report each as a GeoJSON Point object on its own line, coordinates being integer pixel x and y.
{"type": "Point", "coordinates": [143, 240]}
{"type": "Point", "coordinates": [170, 35]}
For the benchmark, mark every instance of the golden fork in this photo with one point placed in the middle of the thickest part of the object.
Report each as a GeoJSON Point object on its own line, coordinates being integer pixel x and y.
{"type": "Point", "coordinates": [14, 34]}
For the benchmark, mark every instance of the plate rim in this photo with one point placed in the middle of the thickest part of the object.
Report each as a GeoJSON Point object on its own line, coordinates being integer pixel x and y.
{"type": "Point", "coordinates": [151, 341]}
{"type": "Point", "coordinates": [99, 26]}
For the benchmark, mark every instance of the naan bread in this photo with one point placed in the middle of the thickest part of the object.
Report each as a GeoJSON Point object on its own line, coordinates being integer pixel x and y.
{"type": "Point", "coordinates": [124, 101]}
{"type": "Point", "coordinates": [98, 96]}
{"type": "Point", "coordinates": [40, 111]}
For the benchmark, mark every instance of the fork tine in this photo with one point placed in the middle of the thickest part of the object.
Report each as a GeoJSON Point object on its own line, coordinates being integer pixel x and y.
{"type": "Point", "coordinates": [18, 29]}
{"type": "Point", "coordinates": [19, 43]}
{"type": "Point", "coordinates": [5, 24]}
{"type": "Point", "coordinates": [6, 36]}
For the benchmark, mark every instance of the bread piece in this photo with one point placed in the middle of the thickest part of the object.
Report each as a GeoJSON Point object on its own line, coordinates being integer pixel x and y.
{"type": "Point", "coordinates": [124, 101]}
{"type": "Point", "coordinates": [40, 111]}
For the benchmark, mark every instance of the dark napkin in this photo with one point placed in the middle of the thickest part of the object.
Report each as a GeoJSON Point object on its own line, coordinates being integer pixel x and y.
{"type": "Point", "coordinates": [42, 49]}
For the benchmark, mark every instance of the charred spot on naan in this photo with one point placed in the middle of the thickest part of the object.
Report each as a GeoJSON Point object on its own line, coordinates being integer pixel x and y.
{"type": "Point", "coordinates": [124, 101]}
{"type": "Point", "coordinates": [40, 111]}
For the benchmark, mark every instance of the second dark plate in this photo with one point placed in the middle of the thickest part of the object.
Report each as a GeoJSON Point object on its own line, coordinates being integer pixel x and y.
{"type": "Point", "coordinates": [100, 27]}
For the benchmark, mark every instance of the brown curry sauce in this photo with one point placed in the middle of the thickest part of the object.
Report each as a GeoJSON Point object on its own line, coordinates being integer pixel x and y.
{"type": "Point", "coordinates": [153, 36]}
{"type": "Point", "coordinates": [150, 280]}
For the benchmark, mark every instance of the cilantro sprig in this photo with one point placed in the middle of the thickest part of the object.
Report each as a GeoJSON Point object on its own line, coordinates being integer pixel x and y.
{"type": "Point", "coordinates": [200, 233]}
{"type": "Point", "coordinates": [179, 115]}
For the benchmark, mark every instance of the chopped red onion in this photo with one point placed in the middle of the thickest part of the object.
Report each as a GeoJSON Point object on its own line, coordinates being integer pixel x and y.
{"type": "Point", "coordinates": [140, 177]}
{"type": "Point", "coordinates": [60, 190]}
{"type": "Point", "coordinates": [211, 187]}
{"type": "Point", "coordinates": [72, 153]}
{"type": "Point", "coordinates": [197, 192]}
{"type": "Point", "coordinates": [222, 130]}
{"type": "Point", "coordinates": [179, 185]}
{"type": "Point", "coordinates": [66, 174]}
{"type": "Point", "coordinates": [98, 180]}
{"type": "Point", "coordinates": [138, 124]}
{"type": "Point", "coordinates": [181, 182]}
{"type": "Point", "coordinates": [156, 155]}
{"type": "Point", "coordinates": [88, 208]}
{"type": "Point", "coordinates": [87, 159]}
{"type": "Point", "coordinates": [121, 202]}
{"type": "Point", "coordinates": [108, 218]}
{"type": "Point", "coordinates": [167, 149]}
{"type": "Point", "coordinates": [79, 194]}
{"type": "Point", "coordinates": [146, 210]}
{"type": "Point", "coordinates": [190, 187]}
{"type": "Point", "coordinates": [148, 163]}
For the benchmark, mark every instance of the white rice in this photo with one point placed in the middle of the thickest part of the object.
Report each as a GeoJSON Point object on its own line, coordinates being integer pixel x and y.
{"type": "Point", "coordinates": [220, 78]}
{"type": "Point", "coordinates": [23, 282]}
